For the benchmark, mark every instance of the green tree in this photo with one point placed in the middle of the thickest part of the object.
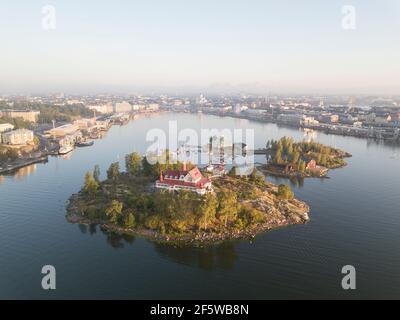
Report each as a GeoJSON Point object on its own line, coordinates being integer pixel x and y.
{"type": "Point", "coordinates": [232, 173]}
{"type": "Point", "coordinates": [296, 157]}
{"type": "Point", "coordinates": [278, 155]}
{"type": "Point", "coordinates": [130, 221]}
{"type": "Point", "coordinates": [91, 185]}
{"type": "Point", "coordinates": [301, 167]}
{"type": "Point", "coordinates": [207, 210]}
{"type": "Point", "coordinates": [113, 171]}
{"type": "Point", "coordinates": [285, 193]}
{"type": "Point", "coordinates": [96, 173]}
{"type": "Point", "coordinates": [150, 170]}
{"type": "Point", "coordinates": [324, 159]}
{"type": "Point", "coordinates": [133, 163]}
{"type": "Point", "coordinates": [227, 210]}
{"type": "Point", "coordinates": [114, 211]}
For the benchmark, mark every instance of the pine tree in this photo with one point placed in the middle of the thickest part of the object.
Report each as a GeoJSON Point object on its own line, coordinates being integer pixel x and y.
{"type": "Point", "coordinates": [96, 173]}
{"type": "Point", "coordinates": [114, 211]}
{"type": "Point", "coordinates": [130, 221]}
{"type": "Point", "coordinates": [91, 185]}
{"type": "Point", "coordinates": [133, 163]}
{"type": "Point", "coordinates": [113, 171]}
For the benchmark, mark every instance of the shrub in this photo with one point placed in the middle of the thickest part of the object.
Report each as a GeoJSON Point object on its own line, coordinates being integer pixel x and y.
{"type": "Point", "coordinates": [285, 193]}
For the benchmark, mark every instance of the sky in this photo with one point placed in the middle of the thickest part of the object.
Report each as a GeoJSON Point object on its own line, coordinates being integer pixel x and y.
{"type": "Point", "coordinates": [209, 46]}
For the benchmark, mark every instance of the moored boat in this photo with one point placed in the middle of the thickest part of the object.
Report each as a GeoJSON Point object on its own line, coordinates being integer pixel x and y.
{"type": "Point", "coordinates": [85, 144]}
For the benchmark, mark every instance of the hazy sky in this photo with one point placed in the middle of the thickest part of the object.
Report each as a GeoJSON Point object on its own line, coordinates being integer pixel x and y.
{"type": "Point", "coordinates": [259, 45]}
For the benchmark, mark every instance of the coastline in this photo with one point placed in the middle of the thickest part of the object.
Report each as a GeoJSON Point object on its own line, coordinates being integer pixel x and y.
{"type": "Point", "coordinates": [20, 163]}
{"type": "Point", "coordinates": [279, 213]}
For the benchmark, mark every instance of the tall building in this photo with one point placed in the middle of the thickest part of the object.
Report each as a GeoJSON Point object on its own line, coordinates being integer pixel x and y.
{"type": "Point", "coordinates": [17, 137]}
{"type": "Point", "coordinates": [27, 115]}
{"type": "Point", "coordinates": [102, 108]}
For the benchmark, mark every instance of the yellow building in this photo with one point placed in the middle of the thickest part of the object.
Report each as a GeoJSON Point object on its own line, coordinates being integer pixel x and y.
{"type": "Point", "coordinates": [18, 137]}
{"type": "Point", "coordinates": [27, 115]}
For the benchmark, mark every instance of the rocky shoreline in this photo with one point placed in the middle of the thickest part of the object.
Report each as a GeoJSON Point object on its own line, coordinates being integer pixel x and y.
{"type": "Point", "coordinates": [287, 213]}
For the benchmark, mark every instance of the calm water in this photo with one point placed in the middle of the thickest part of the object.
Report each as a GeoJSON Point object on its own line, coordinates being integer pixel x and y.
{"type": "Point", "coordinates": [355, 219]}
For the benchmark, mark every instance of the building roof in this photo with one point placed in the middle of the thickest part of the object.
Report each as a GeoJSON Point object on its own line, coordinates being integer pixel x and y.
{"type": "Point", "coordinates": [172, 177]}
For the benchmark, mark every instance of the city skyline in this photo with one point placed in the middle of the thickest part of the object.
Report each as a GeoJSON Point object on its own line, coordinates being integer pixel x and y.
{"type": "Point", "coordinates": [207, 47]}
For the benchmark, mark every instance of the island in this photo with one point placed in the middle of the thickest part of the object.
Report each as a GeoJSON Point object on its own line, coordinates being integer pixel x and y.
{"type": "Point", "coordinates": [305, 159]}
{"type": "Point", "coordinates": [178, 203]}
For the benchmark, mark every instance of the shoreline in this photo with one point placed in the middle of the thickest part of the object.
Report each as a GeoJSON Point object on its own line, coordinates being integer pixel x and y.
{"type": "Point", "coordinates": [201, 238]}
{"type": "Point", "coordinates": [282, 214]}
{"type": "Point", "coordinates": [16, 166]}
{"type": "Point", "coordinates": [297, 174]}
{"type": "Point", "coordinates": [325, 128]}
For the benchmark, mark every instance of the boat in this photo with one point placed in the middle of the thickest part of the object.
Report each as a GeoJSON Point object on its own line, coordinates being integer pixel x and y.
{"type": "Point", "coordinates": [65, 149]}
{"type": "Point", "coordinates": [85, 144]}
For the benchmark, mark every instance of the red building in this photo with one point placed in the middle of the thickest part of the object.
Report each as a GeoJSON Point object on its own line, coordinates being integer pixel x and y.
{"type": "Point", "coordinates": [311, 165]}
{"type": "Point", "coordinates": [193, 180]}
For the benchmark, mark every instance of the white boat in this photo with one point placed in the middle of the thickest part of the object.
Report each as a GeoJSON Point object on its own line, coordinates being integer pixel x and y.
{"type": "Point", "coordinates": [65, 149]}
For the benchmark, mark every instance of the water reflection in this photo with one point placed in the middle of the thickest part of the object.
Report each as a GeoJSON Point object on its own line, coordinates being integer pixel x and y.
{"type": "Point", "coordinates": [295, 182]}
{"type": "Point", "coordinates": [118, 241]}
{"type": "Point", "coordinates": [21, 173]}
{"type": "Point", "coordinates": [221, 256]}
{"type": "Point", "coordinates": [115, 240]}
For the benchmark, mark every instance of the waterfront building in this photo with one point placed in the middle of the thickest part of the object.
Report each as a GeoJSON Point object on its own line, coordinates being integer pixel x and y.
{"type": "Point", "coordinates": [293, 119]}
{"type": "Point", "coordinates": [138, 107]}
{"type": "Point", "coordinates": [383, 119]}
{"type": "Point", "coordinates": [4, 127]}
{"type": "Point", "coordinates": [176, 180]}
{"type": "Point", "coordinates": [329, 118]}
{"type": "Point", "coordinates": [27, 115]}
{"type": "Point", "coordinates": [62, 131]}
{"type": "Point", "coordinates": [71, 139]}
{"type": "Point", "coordinates": [309, 121]}
{"type": "Point", "coordinates": [256, 112]}
{"type": "Point", "coordinates": [122, 107]}
{"type": "Point", "coordinates": [17, 137]}
{"type": "Point", "coordinates": [153, 107]}
{"type": "Point", "coordinates": [85, 124]}
{"type": "Point", "coordinates": [102, 109]}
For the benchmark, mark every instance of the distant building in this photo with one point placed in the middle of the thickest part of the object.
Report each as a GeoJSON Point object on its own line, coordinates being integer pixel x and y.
{"type": "Point", "coordinates": [176, 180]}
{"type": "Point", "coordinates": [103, 109]}
{"type": "Point", "coordinates": [237, 109]}
{"type": "Point", "coordinates": [311, 165]}
{"type": "Point", "coordinates": [27, 115]}
{"type": "Point", "coordinates": [85, 124]}
{"type": "Point", "coordinates": [6, 127]}
{"type": "Point", "coordinates": [60, 132]}
{"type": "Point", "coordinates": [329, 118]}
{"type": "Point", "coordinates": [383, 119]}
{"type": "Point", "coordinates": [18, 137]}
{"type": "Point", "coordinates": [294, 119]}
{"type": "Point", "coordinates": [153, 107]}
{"type": "Point", "coordinates": [138, 107]}
{"type": "Point", "coordinates": [122, 107]}
{"type": "Point", "coordinates": [309, 121]}
{"type": "Point", "coordinates": [255, 112]}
